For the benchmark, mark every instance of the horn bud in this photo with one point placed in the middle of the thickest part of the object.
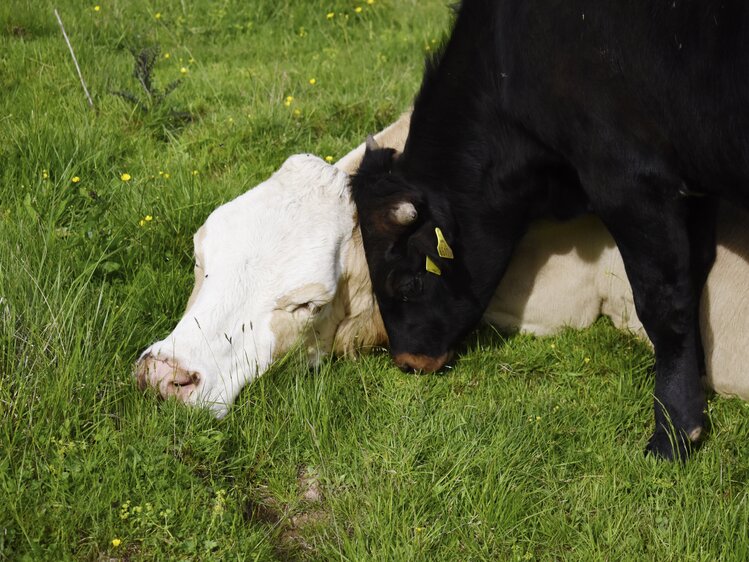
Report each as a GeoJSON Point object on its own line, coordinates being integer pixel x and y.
{"type": "Point", "coordinates": [404, 213]}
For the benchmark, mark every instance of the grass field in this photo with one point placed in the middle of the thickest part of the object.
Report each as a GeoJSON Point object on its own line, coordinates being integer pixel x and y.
{"type": "Point", "coordinates": [529, 449]}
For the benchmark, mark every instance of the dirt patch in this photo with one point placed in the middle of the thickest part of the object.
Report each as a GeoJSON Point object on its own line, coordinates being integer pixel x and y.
{"type": "Point", "coordinates": [18, 31]}
{"type": "Point", "coordinates": [292, 523]}
{"type": "Point", "coordinates": [308, 482]}
{"type": "Point", "coordinates": [263, 511]}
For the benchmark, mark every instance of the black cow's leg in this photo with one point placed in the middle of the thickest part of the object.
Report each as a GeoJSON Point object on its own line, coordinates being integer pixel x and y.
{"type": "Point", "coordinates": [651, 225]}
{"type": "Point", "coordinates": [702, 218]}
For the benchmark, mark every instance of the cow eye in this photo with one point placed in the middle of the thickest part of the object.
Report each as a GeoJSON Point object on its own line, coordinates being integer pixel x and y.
{"type": "Point", "coordinates": [410, 288]}
{"type": "Point", "coordinates": [304, 307]}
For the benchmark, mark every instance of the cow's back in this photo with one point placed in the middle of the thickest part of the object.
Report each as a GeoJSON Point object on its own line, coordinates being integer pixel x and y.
{"type": "Point", "coordinates": [667, 78]}
{"type": "Point", "coordinates": [587, 77]}
{"type": "Point", "coordinates": [556, 278]}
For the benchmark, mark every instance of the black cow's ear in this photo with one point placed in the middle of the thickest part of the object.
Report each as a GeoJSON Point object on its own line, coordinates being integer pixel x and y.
{"type": "Point", "coordinates": [371, 144]}
{"type": "Point", "coordinates": [376, 161]}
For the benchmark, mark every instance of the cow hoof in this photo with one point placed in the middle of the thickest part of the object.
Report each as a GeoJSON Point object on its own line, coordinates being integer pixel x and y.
{"type": "Point", "coordinates": [167, 378]}
{"type": "Point", "coordinates": [674, 445]}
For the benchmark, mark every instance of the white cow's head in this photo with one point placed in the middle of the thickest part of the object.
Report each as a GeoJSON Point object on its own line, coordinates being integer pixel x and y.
{"type": "Point", "coordinates": [280, 265]}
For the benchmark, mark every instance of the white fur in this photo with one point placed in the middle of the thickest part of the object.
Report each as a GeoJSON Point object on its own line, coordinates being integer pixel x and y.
{"type": "Point", "coordinates": [564, 275]}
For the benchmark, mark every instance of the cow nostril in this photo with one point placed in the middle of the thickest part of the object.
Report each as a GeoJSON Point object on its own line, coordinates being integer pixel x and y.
{"type": "Point", "coordinates": [405, 367]}
{"type": "Point", "coordinates": [167, 376]}
{"type": "Point", "coordinates": [186, 379]}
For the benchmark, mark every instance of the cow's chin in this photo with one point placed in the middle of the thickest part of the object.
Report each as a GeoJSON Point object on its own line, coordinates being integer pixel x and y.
{"type": "Point", "coordinates": [315, 356]}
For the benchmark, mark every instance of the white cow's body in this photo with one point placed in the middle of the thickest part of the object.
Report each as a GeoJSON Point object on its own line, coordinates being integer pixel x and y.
{"type": "Point", "coordinates": [284, 263]}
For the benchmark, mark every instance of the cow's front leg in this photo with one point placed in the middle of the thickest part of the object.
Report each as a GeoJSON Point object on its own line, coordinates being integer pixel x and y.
{"type": "Point", "coordinates": [652, 225]}
{"type": "Point", "coordinates": [703, 214]}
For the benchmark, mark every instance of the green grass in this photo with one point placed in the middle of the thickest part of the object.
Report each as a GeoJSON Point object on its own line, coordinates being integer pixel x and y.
{"type": "Point", "coordinates": [528, 449]}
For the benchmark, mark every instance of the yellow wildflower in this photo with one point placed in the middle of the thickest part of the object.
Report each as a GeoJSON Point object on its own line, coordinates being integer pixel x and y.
{"type": "Point", "coordinates": [370, 2]}
{"type": "Point", "coordinates": [125, 177]}
{"type": "Point", "coordinates": [195, 172]}
{"type": "Point", "coordinates": [45, 174]}
{"type": "Point", "coordinates": [167, 55]}
{"type": "Point", "coordinates": [330, 15]}
{"type": "Point", "coordinates": [157, 15]}
{"type": "Point", "coordinates": [288, 100]}
{"type": "Point", "coordinates": [116, 542]}
{"type": "Point", "coordinates": [587, 359]}
{"type": "Point", "coordinates": [297, 112]}
{"type": "Point", "coordinates": [97, 8]}
{"type": "Point", "coordinates": [358, 9]}
{"type": "Point", "coordinates": [183, 70]}
{"type": "Point", "coordinates": [166, 176]}
{"type": "Point", "coordinates": [328, 159]}
{"type": "Point", "coordinates": [75, 179]}
{"type": "Point", "coordinates": [312, 81]}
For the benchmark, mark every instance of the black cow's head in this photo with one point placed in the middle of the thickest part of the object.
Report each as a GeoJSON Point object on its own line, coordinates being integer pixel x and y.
{"type": "Point", "coordinates": [416, 262]}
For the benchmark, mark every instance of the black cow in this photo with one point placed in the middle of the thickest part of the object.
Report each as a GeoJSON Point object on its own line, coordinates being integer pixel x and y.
{"type": "Point", "coordinates": [636, 111]}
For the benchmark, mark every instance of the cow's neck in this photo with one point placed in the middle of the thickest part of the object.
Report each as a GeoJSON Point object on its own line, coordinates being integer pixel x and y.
{"type": "Point", "coordinates": [457, 145]}
{"type": "Point", "coordinates": [446, 145]}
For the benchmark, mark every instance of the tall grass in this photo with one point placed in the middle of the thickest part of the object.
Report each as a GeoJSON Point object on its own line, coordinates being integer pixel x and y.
{"type": "Point", "coordinates": [527, 449]}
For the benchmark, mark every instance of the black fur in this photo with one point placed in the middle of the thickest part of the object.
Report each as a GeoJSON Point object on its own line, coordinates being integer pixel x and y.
{"type": "Point", "coordinates": [550, 108]}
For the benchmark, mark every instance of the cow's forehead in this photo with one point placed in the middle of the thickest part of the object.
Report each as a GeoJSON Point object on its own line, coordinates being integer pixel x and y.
{"type": "Point", "coordinates": [299, 190]}
{"type": "Point", "coordinates": [289, 228]}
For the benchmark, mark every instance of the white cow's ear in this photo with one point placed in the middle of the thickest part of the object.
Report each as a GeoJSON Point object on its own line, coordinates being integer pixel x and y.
{"type": "Point", "coordinates": [404, 213]}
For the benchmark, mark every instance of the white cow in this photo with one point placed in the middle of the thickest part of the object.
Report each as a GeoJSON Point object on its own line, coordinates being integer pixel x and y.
{"type": "Point", "coordinates": [273, 267]}
{"type": "Point", "coordinates": [283, 265]}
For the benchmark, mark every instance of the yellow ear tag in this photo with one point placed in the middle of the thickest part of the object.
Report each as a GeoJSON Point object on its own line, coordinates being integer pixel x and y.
{"type": "Point", "coordinates": [443, 248]}
{"type": "Point", "coordinates": [432, 267]}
